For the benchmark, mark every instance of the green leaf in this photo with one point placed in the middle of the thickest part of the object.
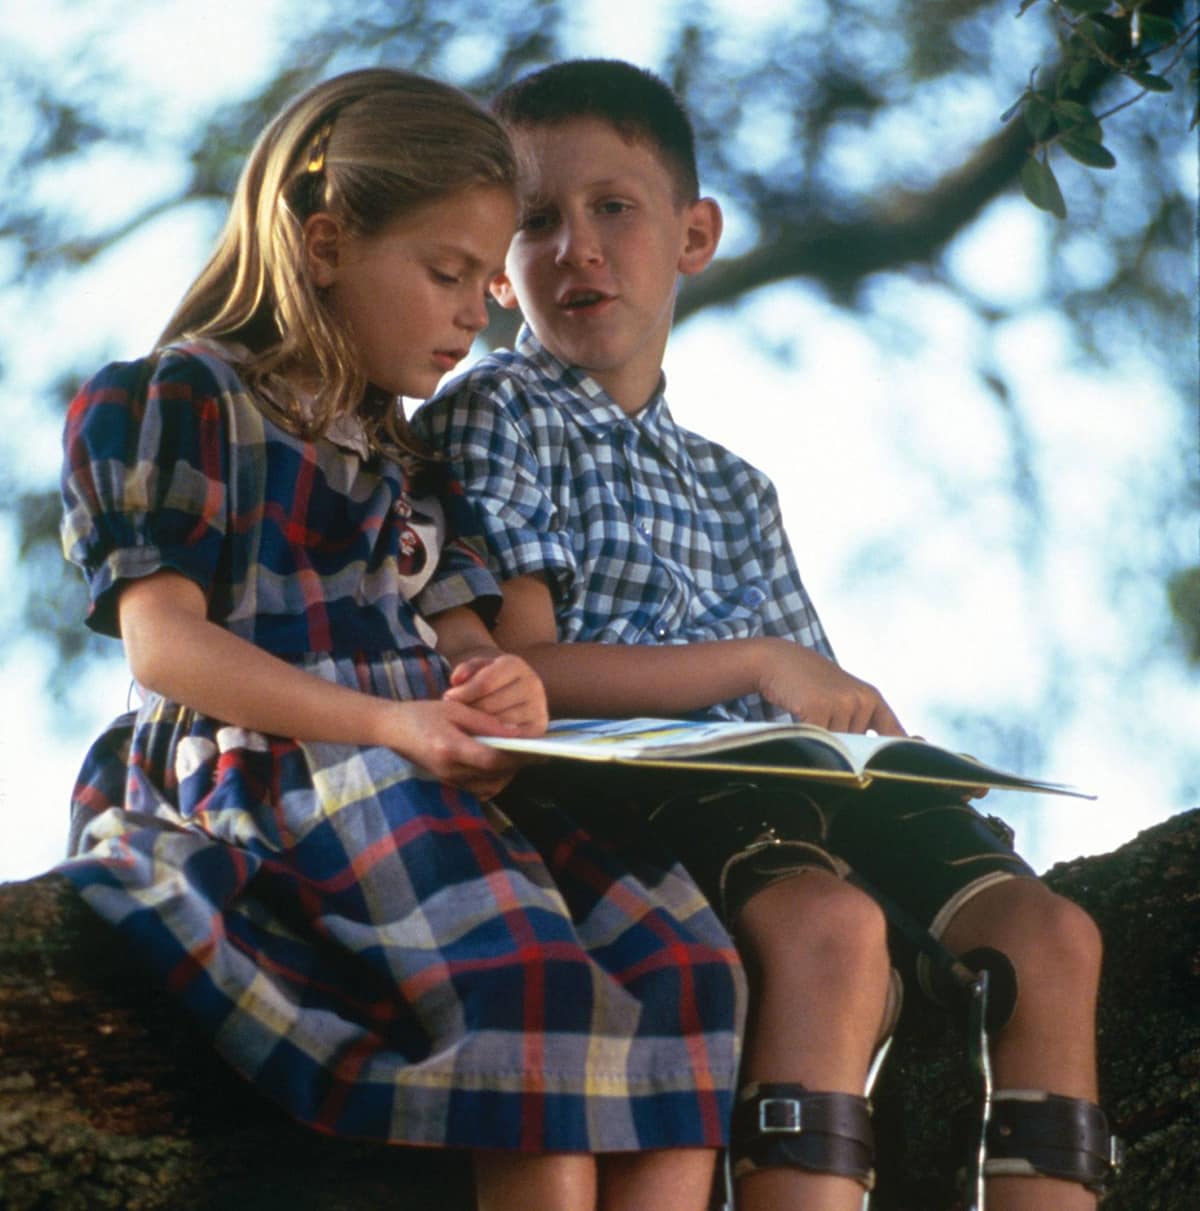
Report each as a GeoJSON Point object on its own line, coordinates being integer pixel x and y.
{"type": "Point", "coordinates": [1160, 30]}
{"type": "Point", "coordinates": [1183, 592]}
{"type": "Point", "coordinates": [1088, 151]}
{"type": "Point", "coordinates": [1038, 116]}
{"type": "Point", "coordinates": [1152, 83]}
{"type": "Point", "coordinates": [1078, 72]}
{"type": "Point", "coordinates": [1100, 34]}
{"type": "Point", "coordinates": [1086, 6]}
{"type": "Point", "coordinates": [1041, 188]}
{"type": "Point", "coordinates": [1074, 118]}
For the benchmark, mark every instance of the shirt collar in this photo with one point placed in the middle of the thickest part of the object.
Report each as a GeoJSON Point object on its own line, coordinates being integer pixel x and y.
{"type": "Point", "coordinates": [589, 404]}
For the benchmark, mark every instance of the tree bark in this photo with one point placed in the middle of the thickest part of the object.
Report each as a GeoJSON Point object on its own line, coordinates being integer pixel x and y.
{"type": "Point", "coordinates": [109, 1099]}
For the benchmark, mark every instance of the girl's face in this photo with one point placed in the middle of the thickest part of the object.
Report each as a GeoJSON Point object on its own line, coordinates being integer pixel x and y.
{"type": "Point", "coordinates": [413, 296]}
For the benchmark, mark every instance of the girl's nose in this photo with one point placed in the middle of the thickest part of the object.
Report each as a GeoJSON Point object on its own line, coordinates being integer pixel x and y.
{"type": "Point", "coordinates": [473, 315]}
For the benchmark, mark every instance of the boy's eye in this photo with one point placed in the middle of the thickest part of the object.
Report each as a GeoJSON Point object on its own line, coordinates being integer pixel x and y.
{"type": "Point", "coordinates": [444, 278]}
{"type": "Point", "coordinates": [613, 206]}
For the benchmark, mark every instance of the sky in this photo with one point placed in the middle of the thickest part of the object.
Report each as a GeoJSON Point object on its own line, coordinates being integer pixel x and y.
{"type": "Point", "coordinates": [933, 582]}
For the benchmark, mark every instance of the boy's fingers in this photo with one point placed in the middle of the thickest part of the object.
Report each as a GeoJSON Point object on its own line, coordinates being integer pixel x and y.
{"type": "Point", "coordinates": [464, 672]}
{"type": "Point", "coordinates": [479, 676]}
{"type": "Point", "coordinates": [472, 721]}
{"type": "Point", "coordinates": [885, 722]}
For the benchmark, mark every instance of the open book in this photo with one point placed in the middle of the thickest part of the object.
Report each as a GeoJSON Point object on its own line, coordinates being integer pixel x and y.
{"type": "Point", "coordinates": [799, 750]}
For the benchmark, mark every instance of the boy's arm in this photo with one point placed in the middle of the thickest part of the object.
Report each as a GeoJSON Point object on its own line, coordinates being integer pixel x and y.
{"type": "Point", "coordinates": [485, 677]}
{"type": "Point", "coordinates": [612, 679]}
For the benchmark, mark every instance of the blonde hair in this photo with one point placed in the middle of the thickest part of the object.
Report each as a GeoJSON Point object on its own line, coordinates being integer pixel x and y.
{"type": "Point", "coordinates": [364, 147]}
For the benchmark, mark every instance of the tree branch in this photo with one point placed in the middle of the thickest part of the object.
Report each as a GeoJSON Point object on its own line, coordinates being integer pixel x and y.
{"type": "Point", "coordinates": [910, 228]}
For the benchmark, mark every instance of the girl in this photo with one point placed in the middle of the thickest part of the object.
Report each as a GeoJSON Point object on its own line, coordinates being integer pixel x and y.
{"type": "Point", "coordinates": [298, 836]}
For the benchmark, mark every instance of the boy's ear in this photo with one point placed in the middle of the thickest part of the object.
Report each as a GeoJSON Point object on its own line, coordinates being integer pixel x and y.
{"type": "Point", "coordinates": [503, 292]}
{"type": "Point", "coordinates": [703, 223]}
{"type": "Point", "coordinates": [322, 237]}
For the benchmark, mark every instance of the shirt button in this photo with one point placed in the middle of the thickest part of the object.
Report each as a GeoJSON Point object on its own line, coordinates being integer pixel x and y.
{"type": "Point", "coordinates": [753, 597]}
{"type": "Point", "coordinates": [661, 630]}
{"type": "Point", "coordinates": [644, 528]}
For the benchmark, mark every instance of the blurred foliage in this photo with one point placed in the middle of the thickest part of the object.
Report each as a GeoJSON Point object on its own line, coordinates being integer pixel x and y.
{"type": "Point", "coordinates": [1139, 43]}
{"type": "Point", "coordinates": [844, 140]}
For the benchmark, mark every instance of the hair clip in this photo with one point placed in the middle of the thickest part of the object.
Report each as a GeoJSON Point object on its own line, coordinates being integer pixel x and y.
{"type": "Point", "coordinates": [316, 153]}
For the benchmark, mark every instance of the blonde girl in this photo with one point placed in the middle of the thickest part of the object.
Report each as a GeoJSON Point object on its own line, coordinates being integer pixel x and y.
{"type": "Point", "coordinates": [295, 829]}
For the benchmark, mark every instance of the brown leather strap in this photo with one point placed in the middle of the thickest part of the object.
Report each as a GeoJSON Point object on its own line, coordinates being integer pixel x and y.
{"type": "Point", "coordinates": [1035, 1133]}
{"type": "Point", "coordinates": [786, 1125]}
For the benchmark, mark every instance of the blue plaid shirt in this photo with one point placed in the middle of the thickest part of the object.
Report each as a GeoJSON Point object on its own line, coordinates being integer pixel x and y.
{"type": "Point", "coordinates": [646, 532]}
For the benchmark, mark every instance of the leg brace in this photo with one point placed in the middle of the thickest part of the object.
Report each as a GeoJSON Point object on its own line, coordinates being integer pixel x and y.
{"type": "Point", "coordinates": [1032, 1133]}
{"type": "Point", "coordinates": [786, 1125]}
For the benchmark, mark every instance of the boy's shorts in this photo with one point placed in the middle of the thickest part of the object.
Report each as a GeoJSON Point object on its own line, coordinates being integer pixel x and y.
{"type": "Point", "coordinates": [924, 849]}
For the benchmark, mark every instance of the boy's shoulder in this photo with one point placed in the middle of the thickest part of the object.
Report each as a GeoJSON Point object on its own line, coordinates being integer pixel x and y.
{"type": "Point", "coordinates": [525, 385]}
{"type": "Point", "coordinates": [502, 372]}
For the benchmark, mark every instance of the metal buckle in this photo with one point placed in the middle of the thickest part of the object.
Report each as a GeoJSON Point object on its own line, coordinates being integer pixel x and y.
{"type": "Point", "coordinates": [788, 1107]}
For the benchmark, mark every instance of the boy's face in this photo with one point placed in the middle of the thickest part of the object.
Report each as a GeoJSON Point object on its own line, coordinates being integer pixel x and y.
{"type": "Point", "coordinates": [600, 243]}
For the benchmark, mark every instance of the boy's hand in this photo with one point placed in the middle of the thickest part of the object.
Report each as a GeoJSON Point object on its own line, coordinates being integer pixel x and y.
{"type": "Point", "coordinates": [505, 687]}
{"type": "Point", "coordinates": [816, 690]}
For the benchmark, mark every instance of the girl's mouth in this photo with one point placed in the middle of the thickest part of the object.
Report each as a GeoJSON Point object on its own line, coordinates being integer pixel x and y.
{"type": "Point", "coordinates": [448, 358]}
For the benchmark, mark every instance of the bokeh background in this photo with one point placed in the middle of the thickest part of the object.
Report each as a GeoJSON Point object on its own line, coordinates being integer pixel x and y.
{"type": "Point", "coordinates": [982, 418]}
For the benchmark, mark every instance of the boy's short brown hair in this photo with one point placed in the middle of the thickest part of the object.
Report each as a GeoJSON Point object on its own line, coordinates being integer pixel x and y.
{"type": "Point", "coordinates": [635, 102]}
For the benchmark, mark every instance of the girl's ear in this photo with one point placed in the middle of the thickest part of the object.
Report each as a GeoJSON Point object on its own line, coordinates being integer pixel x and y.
{"type": "Point", "coordinates": [322, 237]}
{"type": "Point", "coordinates": [503, 292]}
{"type": "Point", "coordinates": [702, 225]}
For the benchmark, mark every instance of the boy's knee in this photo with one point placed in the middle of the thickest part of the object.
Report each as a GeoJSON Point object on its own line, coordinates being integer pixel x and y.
{"type": "Point", "coordinates": [815, 914]}
{"type": "Point", "coordinates": [1056, 930]}
{"type": "Point", "coordinates": [1049, 939]}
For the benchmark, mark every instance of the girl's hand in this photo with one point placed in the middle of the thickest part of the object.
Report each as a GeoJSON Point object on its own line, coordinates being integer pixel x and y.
{"type": "Point", "coordinates": [505, 687]}
{"type": "Point", "coordinates": [816, 690]}
{"type": "Point", "coordinates": [439, 736]}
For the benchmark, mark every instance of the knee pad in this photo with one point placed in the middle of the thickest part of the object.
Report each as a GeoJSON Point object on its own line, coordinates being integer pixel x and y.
{"type": "Point", "coordinates": [1032, 1133]}
{"type": "Point", "coordinates": [784, 1125]}
{"type": "Point", "coordinates": [943, 981]}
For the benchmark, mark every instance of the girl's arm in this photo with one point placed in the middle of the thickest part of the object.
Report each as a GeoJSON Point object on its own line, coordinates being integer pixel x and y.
{"type": "Point", "coordinates": [174, 650]}
{"type": "Point", "coordinates": [618, 679]}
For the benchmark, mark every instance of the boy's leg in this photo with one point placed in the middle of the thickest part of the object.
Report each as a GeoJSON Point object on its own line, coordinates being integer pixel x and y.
{"type": "Point", "coordinates": [816, 954]}
{"type": "Point", "coordinates": [1049, 1042]}
{"type": "Point", "coordinates": [954, 870]}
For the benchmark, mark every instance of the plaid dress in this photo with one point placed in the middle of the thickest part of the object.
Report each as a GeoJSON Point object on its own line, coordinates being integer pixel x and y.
{"type": "Point", "coordinates": [385, 956]}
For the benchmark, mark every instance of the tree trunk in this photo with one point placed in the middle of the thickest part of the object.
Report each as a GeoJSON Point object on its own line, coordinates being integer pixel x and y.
{"type": "Point", "coordinates": [108, 1098]}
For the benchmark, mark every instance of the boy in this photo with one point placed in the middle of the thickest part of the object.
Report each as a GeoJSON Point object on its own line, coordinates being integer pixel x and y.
{"type": "Point", "coordinates": [646, 572]}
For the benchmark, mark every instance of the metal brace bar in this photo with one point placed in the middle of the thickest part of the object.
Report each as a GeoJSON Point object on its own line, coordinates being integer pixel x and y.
{"type": "Point", "coordinates": [977, 1050]}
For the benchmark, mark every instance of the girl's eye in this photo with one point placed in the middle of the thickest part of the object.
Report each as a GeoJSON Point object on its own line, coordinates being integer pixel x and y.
{"type": "Point", "coordinates": [534, 222]}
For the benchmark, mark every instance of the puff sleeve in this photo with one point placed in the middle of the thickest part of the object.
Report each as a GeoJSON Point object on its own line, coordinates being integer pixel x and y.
{"type": "Point", "coordinates": [144, 481]}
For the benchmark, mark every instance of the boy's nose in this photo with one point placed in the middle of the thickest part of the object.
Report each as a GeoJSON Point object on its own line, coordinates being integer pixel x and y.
{"type": "Point", "coordinates": [578, 243]}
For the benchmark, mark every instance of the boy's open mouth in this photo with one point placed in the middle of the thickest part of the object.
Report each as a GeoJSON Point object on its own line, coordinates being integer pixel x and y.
{"type": "Point", "coordinates": [576, 300]}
